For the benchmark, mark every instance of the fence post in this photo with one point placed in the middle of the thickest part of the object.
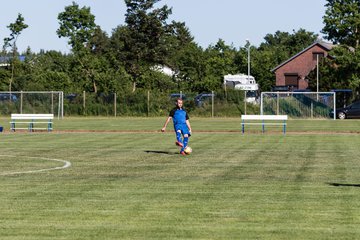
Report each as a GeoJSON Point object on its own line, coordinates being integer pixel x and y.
{"type": "Point", "coordinates": [212, 104]}
{"type": "Point", "coordinates": [60, 104]}
{"type": "Point", "coordinates": [115, 113]}
{"type": "Point", "coordinates": [334, 105]}
{"type": "Point", "coordinates": [21, 102]}
{"type": "Point", "coordinates": [225, 92]}
{"type": "Point", "coordinates": [261, 104]}
{"type": "Point", "coordinates": [148, 103]}
{"type": "Point", "coordinates": [84, 100]}
{"type": "Point", "coordinates": [245, 102]}
{"type": "Point", "coordinates": [277, 103]}
{"type": "Point", "coordinates": [52, 102]}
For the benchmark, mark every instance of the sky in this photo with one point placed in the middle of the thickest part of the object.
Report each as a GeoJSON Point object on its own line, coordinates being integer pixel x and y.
{"type": "Point", "coordinates": [234, 21]}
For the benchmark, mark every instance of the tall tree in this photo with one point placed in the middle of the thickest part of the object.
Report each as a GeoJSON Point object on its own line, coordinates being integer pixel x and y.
{"type": "Point", "coordinates": [342, 22]}
{"type": "Point", "coordinates": [342, 26]}
{"type": "Point", "coordinates": [144, 41]}
{"type": "Point", "coordinates": [191, 65]}
{"type": "Point", "coordinates": [178, 39]}
{"type": "Point", "coordinates": [287, 44]}
{"type": "Point", "coordinates": [220, 60]}
{"type": "Point", "coordinates": [99, 43]}
{"type": "Point", "coordinates": [16, 28]}
{"type": "Point", "coordinates": [78, 24]}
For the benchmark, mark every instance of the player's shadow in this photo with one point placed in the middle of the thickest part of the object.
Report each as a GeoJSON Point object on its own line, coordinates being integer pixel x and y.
{"type": "Point", "coordinates": [160, 152]}
{"type": "Point", "coordinates": [344, 184]}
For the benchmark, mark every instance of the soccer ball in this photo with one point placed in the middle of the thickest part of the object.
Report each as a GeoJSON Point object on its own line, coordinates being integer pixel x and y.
{"type": "Point", "coordinates": [188, 150]}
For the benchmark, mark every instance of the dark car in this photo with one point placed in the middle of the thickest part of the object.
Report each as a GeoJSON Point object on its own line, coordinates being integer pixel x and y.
{"type": "Point", "coordinates": [280, 89]}
{"type": "Point", "coordinates": [202, 97]}
{"type": "Point", "coordinates": [7, 97]}
{"type": "Point", "coordinates": [71, 96]}
{"type": "Point", "coordinates": [177, 95]}
{"type": "Point", "coordinates": [351, 111]}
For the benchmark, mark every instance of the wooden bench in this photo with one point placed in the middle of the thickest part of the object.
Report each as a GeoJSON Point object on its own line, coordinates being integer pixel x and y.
{"type": "Point", "coordinates": [29, 120]}
{"type": "Point", "coordinates": [263, 120]}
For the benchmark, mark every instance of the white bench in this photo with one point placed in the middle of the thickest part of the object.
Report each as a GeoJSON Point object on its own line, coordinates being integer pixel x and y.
{"type": "Point", "coordinates": [263, 120]}
{"type": "Point", "coordinates": [30, 120]}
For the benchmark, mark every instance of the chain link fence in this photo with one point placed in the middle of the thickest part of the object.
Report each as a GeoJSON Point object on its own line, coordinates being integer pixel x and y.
{"type": "Point", "coordinates": [156, 103]}
{"type": "Point", "coordinates": [31, 102]}
{"type": "Point", "coordinates": [140, 103]}
{"type": "Point", "coordinates": [303, 105]}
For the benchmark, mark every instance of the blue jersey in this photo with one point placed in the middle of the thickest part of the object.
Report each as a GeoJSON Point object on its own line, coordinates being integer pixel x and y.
{"type": "Point", "coordinates": [179, 116]}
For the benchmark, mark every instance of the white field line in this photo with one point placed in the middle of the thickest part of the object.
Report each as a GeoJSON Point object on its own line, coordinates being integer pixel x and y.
{"type": "Point", "coordinates": [66, 165]}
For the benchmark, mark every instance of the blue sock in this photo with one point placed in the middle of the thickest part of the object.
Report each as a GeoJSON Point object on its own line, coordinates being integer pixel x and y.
{"type": "Point", "coordinates": [178, 137]}
{"type": "Point", "coordinates": [186, 140]}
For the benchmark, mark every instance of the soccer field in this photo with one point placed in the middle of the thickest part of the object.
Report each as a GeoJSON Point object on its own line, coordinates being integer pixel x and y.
{"type": "Point", "coordinates": [120, 178]}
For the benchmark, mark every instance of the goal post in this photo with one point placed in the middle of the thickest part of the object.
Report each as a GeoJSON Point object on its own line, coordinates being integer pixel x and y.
{"type": "Point", "coordinates": [304, 105]}
{"type": "Point", "coordinates": [32, 102]}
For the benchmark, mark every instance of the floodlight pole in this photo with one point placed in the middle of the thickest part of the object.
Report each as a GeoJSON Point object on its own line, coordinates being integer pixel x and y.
{"type": "Point", "coordinates": [248, 48]}
{"type": "Point", "coordinates": [317, 77]}
{"type": "Point", "coordinates": [248, 60]}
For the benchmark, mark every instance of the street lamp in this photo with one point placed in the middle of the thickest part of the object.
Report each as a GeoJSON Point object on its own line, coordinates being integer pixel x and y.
{"type": "Point", "coordinates": [248, 49]}
{"type": "Point", "coordinates": [317, 77]}
{"type": "Point", "coordinates": [247, 46]}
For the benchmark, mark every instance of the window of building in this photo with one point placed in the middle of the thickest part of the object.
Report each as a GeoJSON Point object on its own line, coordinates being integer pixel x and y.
{"type": "Point", "coordinates": [291, 79]}
{"type": "Point", "coordinates": [320, 54]}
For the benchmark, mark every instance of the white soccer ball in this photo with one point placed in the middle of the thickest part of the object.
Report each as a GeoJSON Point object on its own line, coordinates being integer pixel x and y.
{"type": "Point", "coordinates": [188, 150]}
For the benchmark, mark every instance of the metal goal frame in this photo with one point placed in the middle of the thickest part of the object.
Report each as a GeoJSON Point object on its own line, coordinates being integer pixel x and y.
{"type": "Point", "coordinates": [27, 102]}
{"type": "Point", "coordinates": [326, 100]}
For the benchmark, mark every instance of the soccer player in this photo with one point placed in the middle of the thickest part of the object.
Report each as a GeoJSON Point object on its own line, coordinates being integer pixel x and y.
{"type": "Point", "coordinates": [182, 125]}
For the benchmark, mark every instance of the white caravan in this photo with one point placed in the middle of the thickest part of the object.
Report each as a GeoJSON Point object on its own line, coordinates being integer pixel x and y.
{"type": "Point", "coordinates": [245, 83]}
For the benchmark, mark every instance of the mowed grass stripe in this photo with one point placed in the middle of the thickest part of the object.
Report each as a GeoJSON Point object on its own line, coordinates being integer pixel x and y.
{"type": "Point", "coordinates": [136, 186]}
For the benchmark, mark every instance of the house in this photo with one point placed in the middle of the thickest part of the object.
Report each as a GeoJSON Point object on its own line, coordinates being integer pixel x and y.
{"type": "Point", "coordinates": [292, 74]}
{"type": "Point", "coordinates": [5, 60]}
{"type": "Point", "coordinates": [165, 70]}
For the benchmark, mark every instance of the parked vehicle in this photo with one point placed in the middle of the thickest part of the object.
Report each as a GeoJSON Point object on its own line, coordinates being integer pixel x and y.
{"type": "Point", "coordinates": [71, 96]}
{"type": "Point", "coordinates": [203, 97]}
{"type": "Point", "coordinates": [350, 111]}
{"type": "Point", "coordinates": [280, 89]}
{"type": "Point", "coordinates": [7, 97]}
{"type": "Point", "coordinates": [177, 95]}
{"type": "Point", "coordinates": [245, 83]}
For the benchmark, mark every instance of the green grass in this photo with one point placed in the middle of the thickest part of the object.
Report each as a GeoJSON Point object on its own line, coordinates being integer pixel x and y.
{"type": "Point", "coordinates": [130, 184]}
